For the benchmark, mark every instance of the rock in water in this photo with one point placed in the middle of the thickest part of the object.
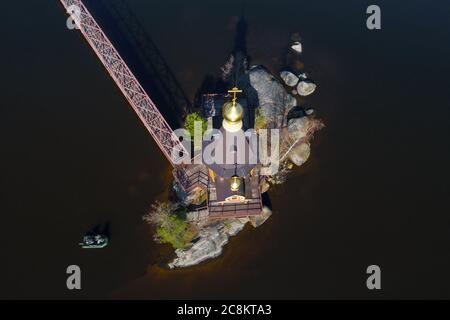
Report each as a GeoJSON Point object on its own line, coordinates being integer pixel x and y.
{"type": "Point", "coordinates": [258, 220]}
{"type": "Point", "coordinates": [300, 153]}
{"type": "Point", "coordinates": [289, 78]}
{"type": "Point", "coordinates": [303, 76]}
{"type": "Point", "coordinates": [298, 128]}
{"type": "Point", "coordinates": [209, 244]}
{"type": "Point", "coordinates": [306, 87]}
{"type": "Point", "coordinates": [309, 111]}
{"type": "Point", "coordinates": [235, 225]}
{"type": "Point", "coordinates": [297, 47]}
{"type": "Point", "coordinates": [273, 99]}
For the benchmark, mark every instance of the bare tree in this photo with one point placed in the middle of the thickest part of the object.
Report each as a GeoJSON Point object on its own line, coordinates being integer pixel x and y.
{"type": "Point", "coordinates": [159, 212]}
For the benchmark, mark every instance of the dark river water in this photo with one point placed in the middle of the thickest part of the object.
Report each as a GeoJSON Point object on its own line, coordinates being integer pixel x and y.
{"type": "Point", "coordinates": [374, 191]}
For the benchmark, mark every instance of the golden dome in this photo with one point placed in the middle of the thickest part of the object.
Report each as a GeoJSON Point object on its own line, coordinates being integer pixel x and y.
{"type": "Point", "coordinates": [235, 183]}
{"type": "Point", "coordinates": [232, 112]}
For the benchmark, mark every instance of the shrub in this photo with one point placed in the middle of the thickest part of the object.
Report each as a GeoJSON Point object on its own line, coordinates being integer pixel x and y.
{"type": "Point", "coordinates": [190, 121]}
{"type": "Point", "coordinates": [174, 231]}
{"type": "Point", "coordinates": [170, 228]}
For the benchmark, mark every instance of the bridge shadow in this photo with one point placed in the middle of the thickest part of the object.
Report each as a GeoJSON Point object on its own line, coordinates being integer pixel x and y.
{"type": "Point", "coordinates": [143, 57]}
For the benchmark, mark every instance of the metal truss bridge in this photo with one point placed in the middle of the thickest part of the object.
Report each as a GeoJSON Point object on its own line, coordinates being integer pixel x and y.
{"type": "Point", "coordinates": [138, 99]}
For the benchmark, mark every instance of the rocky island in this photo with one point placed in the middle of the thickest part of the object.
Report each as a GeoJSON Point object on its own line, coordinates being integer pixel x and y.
{"type": "Point", "coordinates": [276, 104]}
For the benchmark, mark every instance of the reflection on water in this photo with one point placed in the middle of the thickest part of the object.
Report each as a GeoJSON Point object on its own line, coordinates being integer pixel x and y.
{"type": "Point", "coordinates": [75, 155]}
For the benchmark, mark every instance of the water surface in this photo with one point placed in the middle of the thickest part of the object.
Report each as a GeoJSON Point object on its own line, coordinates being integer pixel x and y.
{"type": "Point", "coordinates": [375, 190]}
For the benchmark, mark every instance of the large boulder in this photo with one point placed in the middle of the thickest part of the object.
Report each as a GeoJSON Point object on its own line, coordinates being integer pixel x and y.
{"type": "Point", "coordinates": [300, 153]}
{"type": "Point", "coordinates": [274, 102]}
{"type": "Point", "coordinates": [258, 220]}
{"type": "Point", "coordinates": [235, 225]}
{"type": "Point", "coordinates": [306, 87]}
{"type": "Point", "coordinates": [289, 78]}
{"type": "Point", "coordinates": [297, 47]}
{"type": "Point", "coordinates": [209, 243]}
{"type": "Point", "coordinates": [298, 128]}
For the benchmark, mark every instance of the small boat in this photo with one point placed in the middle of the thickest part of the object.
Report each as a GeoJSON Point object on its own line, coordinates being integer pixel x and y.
{"type": "Point", "coordinates": [95, 241]}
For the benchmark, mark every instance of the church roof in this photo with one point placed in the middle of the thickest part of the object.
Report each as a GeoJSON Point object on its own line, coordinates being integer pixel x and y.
{"type": "Point", "coordinates": [236, 157]}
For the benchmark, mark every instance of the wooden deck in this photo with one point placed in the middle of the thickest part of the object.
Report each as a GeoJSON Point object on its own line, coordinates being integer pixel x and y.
{"type": "Point", "coordinates": [222, 210]}
{"type": "Point", "coordinates": [197, 177]}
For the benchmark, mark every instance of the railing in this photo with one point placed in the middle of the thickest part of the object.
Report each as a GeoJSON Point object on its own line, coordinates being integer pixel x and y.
{"type": "Point", "coordinates": [192, 177]}
{"type": "Point", "coordinates": [199, 179]}
{"type": "Point", "coordinates": [221, 210]}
